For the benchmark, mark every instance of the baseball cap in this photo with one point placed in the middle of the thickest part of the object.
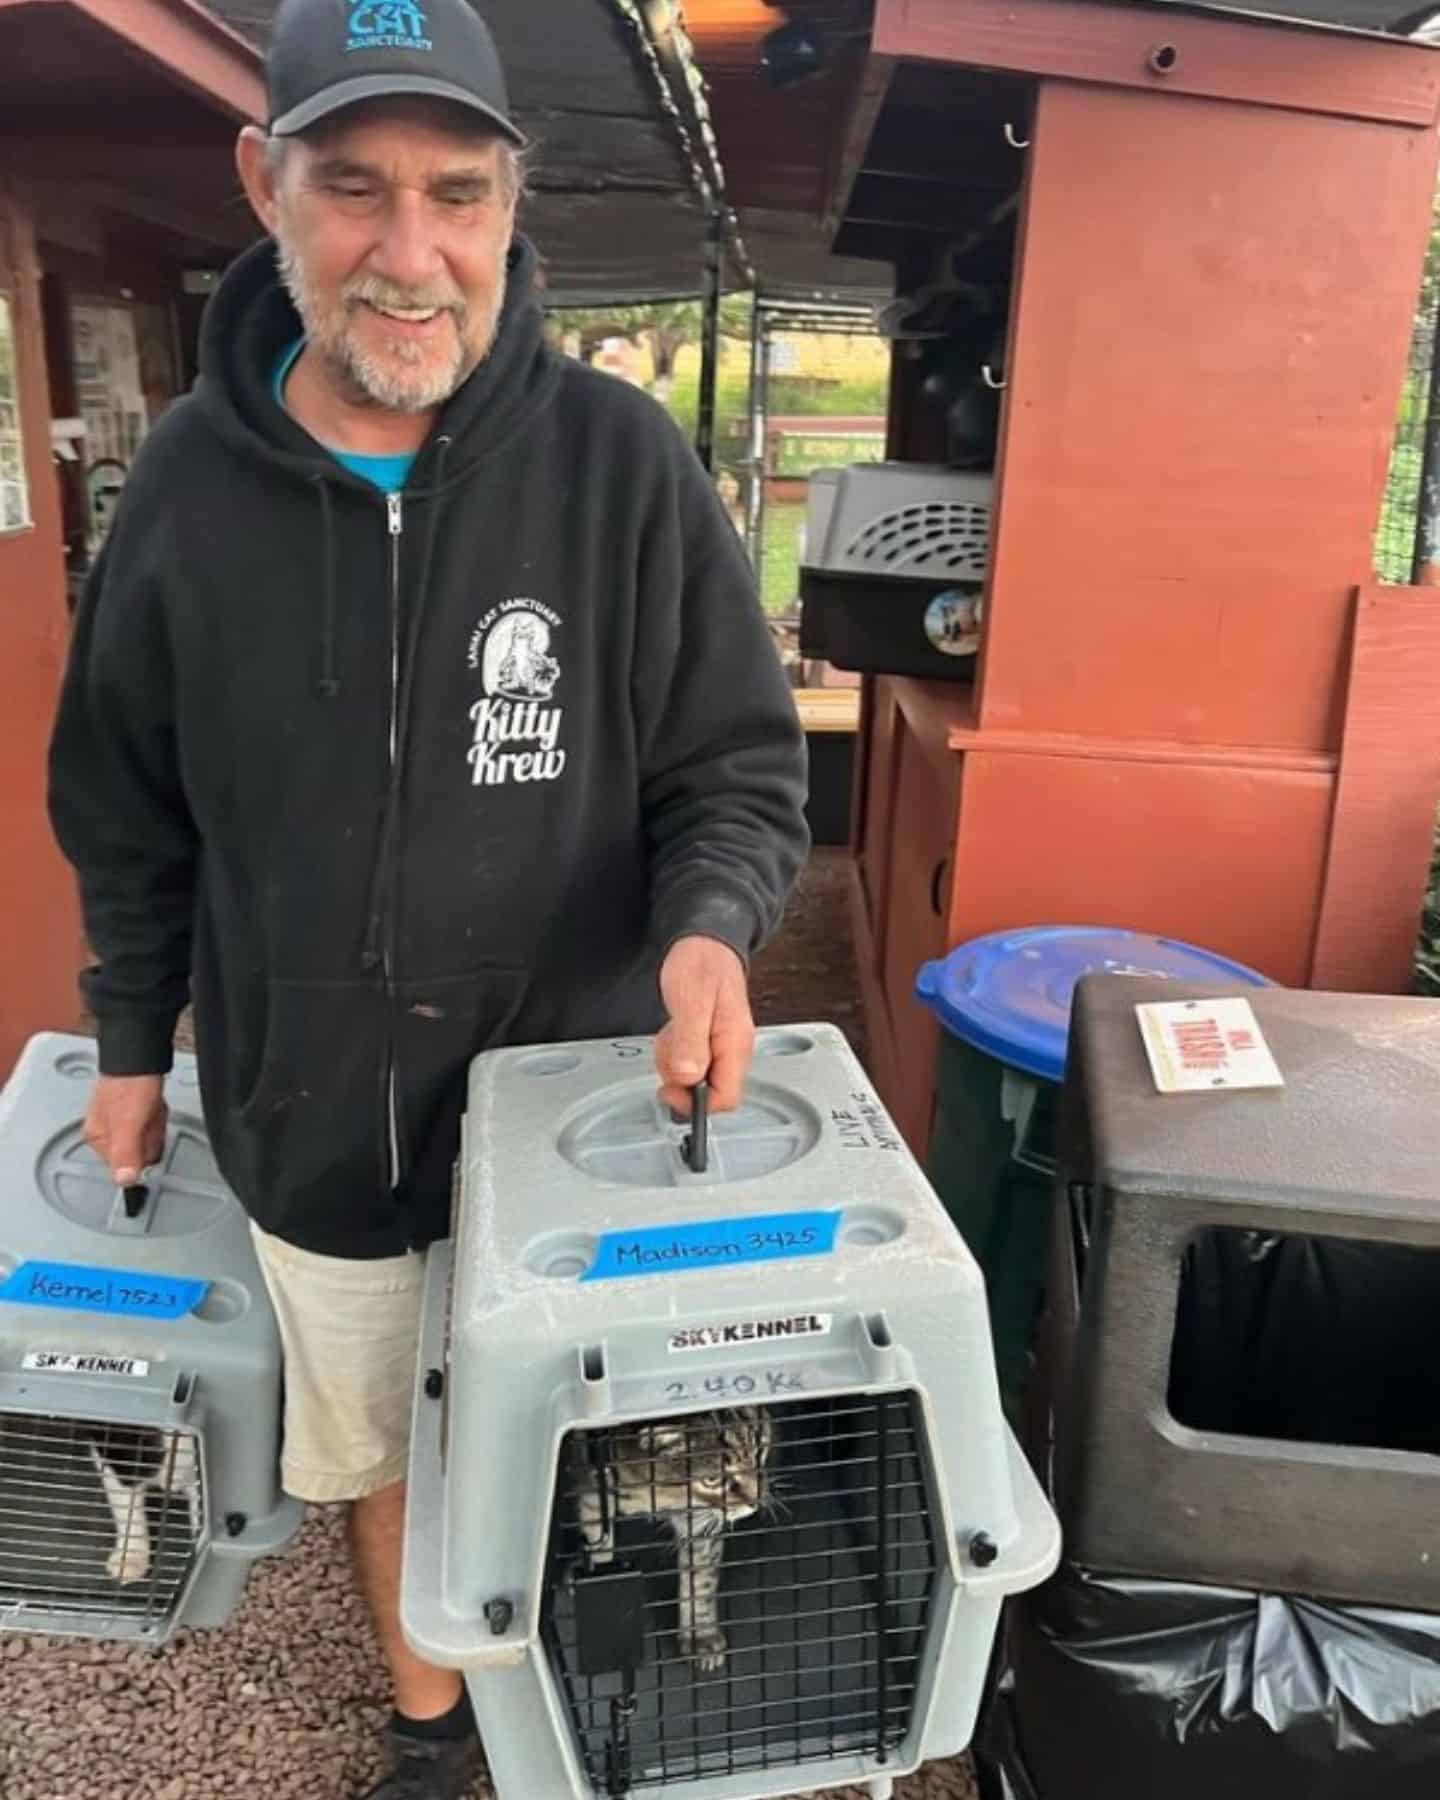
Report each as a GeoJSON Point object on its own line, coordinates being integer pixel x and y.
{"type": "Point", "coordinates": [326, 54]}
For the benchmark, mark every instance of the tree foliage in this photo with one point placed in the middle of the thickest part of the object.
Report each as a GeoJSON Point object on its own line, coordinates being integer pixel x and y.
{"type": "Point", "coordinates": [665, 328]}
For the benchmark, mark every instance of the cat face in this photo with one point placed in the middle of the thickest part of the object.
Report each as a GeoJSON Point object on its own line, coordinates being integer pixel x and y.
{"type": "Point", "coordinates": [710, 1463]}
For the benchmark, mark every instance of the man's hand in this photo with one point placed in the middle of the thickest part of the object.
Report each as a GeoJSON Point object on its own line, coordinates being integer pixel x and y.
{"type": "Point", "coordinates": [711, 1033]}
{"type": "Point", "coordinates": [125, 1125]}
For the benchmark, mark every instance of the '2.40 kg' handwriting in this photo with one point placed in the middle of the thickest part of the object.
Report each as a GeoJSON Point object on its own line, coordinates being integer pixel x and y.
{"type": "Point", "coordinates": [769, 1384]}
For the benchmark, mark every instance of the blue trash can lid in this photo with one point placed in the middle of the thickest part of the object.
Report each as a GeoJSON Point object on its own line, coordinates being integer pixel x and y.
{"type": "Point", "coordinates": [1009, 994]}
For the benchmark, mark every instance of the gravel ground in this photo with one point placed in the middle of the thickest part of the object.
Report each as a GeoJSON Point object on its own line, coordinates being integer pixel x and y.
{"type": "Point", "coordinates": [288, 1700]}
{"type": "Point", "coordinates": [808, 974]}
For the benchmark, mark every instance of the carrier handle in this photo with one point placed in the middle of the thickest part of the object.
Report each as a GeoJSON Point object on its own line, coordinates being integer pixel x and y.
{"type": "Point", "coordinates": [696, 1148]}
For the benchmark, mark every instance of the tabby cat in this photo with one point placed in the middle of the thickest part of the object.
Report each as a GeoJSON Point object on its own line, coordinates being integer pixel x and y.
{"type": "Point", "coordinates": [698, 1474]}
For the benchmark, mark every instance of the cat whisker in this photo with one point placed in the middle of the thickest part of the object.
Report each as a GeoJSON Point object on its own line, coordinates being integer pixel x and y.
{"type": "Point", "coordinates": [777, 1495]}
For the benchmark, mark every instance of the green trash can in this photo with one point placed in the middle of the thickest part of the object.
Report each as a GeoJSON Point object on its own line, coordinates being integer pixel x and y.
{"type": "Point", "coordinates": [1004, 1001]}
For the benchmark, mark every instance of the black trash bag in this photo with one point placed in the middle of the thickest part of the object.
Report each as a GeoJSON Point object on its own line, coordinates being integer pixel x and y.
{"type": "Point", "coordinates": [1120, 1688]}
{"type": "Point", "coordinates": [1309, 1339]}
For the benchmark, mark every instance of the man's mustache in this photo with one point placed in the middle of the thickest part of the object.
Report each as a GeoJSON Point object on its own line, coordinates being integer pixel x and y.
{"type": "Point", "coordinates": [372, 292]}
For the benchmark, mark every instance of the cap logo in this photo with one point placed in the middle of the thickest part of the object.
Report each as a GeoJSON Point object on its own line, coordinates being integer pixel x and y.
{"type": "Point", "coordinates": [386, 25]}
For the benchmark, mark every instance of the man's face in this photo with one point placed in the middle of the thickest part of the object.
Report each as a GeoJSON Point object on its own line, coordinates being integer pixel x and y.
{"type": "Point", "coordinates": [393, 228]}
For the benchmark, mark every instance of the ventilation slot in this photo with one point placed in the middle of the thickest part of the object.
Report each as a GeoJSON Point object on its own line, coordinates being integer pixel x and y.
{"type": "Point", "coordinates": [948, 538]}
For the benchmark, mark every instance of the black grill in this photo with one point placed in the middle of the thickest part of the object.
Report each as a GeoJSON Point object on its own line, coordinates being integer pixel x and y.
{"type": "Point", "coordinates": [97, 1522]}
{"type": "Point", "coordinates": [825, 1597]}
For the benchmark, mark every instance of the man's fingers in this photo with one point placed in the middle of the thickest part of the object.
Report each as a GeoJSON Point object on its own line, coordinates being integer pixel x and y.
{"type": "Point", "coordinates": [682, 1051]}
{"type": "Point", "coordinates": [125, 1125]}
{"type": "Point", "coordinates": [711, 1034]}
{"type": "Point", "coordinates": [727, 1077]}
{"type": "Point", "coordinates": [127, 1159]}
{"type": "Point", "coordinates": [732, 1044]}
{"type": "Point", "coordinates": [689, 1049]}
{"type": "Point", "coordinates": [153, 1142]}
{"type": "Point", "coordinates": [680, 1064]}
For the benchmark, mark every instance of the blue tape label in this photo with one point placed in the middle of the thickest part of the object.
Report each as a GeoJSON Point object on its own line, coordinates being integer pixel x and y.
{"type": "Point", "coordinates": [75, 1288]}
{"type": "Point", "coordinates": [712, 1244]}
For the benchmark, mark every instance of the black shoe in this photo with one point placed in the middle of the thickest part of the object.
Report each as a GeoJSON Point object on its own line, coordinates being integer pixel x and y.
{"type": "Point", "coordinates": [429, 1768]}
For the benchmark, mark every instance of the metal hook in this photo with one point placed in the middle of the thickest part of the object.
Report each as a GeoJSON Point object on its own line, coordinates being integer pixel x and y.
{"type": "Point", "coordinates": [987, 375]}
{"type": "Point", "coordinates": [1015, 143]}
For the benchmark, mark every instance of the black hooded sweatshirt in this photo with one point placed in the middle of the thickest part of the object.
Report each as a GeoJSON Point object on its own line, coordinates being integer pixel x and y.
{"type": "Point", "coordinates": [383, 782]}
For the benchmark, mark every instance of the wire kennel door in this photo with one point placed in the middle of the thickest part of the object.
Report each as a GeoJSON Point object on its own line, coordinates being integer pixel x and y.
{"type": "Point", "coordinates": [825, 1597]}
{"type": "Point", "coordinates": [100, 1524]}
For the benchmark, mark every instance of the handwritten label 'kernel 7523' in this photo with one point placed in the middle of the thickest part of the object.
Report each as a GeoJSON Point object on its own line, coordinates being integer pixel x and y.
{"type": "Point", "coordinates": [73, 1287]}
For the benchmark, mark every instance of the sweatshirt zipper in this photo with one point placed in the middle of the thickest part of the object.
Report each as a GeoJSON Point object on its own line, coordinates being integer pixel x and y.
{"type": "Point", "coordinates": [395, 513]}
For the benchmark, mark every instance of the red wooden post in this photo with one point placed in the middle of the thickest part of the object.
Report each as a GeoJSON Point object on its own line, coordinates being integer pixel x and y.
{"type": "Point", "coordinates": [41, 947]}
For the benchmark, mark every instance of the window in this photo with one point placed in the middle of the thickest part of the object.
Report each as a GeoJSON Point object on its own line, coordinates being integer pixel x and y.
{"type": "Point", "coordinates": [14, 493]}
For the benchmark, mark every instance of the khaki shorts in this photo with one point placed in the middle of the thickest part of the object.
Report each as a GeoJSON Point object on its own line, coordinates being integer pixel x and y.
{"type": "Point", "coordinates": [350, 1331]}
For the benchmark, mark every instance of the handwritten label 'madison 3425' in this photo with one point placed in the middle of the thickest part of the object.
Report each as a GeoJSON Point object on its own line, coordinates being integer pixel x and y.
{"type": "Point", "coordinates": [712, 1244]}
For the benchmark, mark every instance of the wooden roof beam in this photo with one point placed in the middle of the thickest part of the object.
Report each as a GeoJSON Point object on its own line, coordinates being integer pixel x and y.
{"type": "Point", "coordinates": [852, 142]}
{"type": "Point", "coordinates": [925, 208]}
{"type": "Point", "coordinates": [221, 229]}
{"type": "Point", "coordinates": [1385, 79]}
{"type": "Point", "coordinates": [195, 49]}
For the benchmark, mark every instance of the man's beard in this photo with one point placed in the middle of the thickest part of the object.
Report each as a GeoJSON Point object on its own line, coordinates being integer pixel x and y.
{"type": "Point", "coordinates": [369, 380]}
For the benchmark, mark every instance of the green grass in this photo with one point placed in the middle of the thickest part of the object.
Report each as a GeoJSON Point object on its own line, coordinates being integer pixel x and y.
{"type": "Point", "coordinates": [732, 404]}
{"type": "Point", "coordinates": [780, 556]}
{"type": "Point", "coordinates": [789, 396]}
{"type": "Point", "coordinates": [1395, 540]}
{"type": "Point", "coordinates": [1394, 547]}
{"type": "Point", "coordinates": [811, 397]}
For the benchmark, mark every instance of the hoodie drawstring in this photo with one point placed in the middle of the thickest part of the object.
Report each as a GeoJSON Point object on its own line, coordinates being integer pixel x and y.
{"type": "Point", "coordinates": [328, 685]}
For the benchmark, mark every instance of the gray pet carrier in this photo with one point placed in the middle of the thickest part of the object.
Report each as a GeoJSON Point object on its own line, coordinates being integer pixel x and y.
{"type": "Point", "coordinates": [711, 1493]}
{"type": "Point", "coordinates": [893, 576]}
{"type": "Point", "coordinates": [139, 1373]}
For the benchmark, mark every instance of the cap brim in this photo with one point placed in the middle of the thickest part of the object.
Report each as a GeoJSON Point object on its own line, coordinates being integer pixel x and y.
{"type": "Point", "coordinates": [380, 87]}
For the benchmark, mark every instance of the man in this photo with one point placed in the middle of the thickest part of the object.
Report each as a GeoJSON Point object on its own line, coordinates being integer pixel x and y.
{"type": "Point", "coordinates": [420, 703]}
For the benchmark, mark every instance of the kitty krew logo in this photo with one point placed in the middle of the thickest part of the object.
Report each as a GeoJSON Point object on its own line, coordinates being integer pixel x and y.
{"type": "Point", "coordinates": [516, 731]}
{"type": "Point", "coordinates": [387, 25]}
